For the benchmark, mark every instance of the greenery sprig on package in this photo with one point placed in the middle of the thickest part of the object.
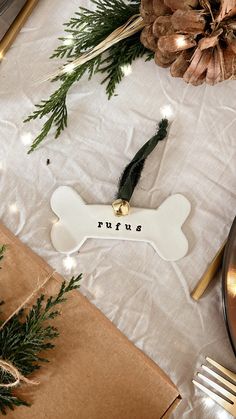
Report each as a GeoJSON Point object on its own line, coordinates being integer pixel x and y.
{"type": "Point", "coordinates": [84, 31]}
{"type": "Point", "coordinates": [2, 251]}
{"type": "Point", "coordinates": [24, 336]}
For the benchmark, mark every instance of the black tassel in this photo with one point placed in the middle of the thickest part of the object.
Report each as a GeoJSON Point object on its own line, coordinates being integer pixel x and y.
{"type": "Point", "coordinates": [133, 170]}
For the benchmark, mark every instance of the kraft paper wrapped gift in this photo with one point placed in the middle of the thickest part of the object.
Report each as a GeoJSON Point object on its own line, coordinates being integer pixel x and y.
{"type": "Point", "coordinates": [94, 371]}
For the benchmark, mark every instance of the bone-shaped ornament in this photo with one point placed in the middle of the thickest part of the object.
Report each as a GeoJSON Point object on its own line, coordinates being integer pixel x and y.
{"type": "Point", "coordinates": [79, 221]}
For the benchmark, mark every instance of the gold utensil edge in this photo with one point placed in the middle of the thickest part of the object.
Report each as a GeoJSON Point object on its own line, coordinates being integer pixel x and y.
{"type": "Point", "coordinates": [16, 26]}
{"type": "Point", "coordinates": [209, 274]}
{"type": "Point", "coordinates": [222, 391]}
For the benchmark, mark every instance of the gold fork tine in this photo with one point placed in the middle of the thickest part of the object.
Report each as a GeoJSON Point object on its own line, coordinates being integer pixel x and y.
{"type": "Point", "coordinates": [217, 387]}
{"type": "Point", "coordinates": [228, 373]}
{"type": "Point", "coordinates": [219, 378]}
{"type": "Point", "coordinates": [226, 405]}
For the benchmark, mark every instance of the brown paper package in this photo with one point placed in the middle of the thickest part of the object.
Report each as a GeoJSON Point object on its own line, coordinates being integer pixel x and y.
{"type": "Point", "coordinates": [94, 371]}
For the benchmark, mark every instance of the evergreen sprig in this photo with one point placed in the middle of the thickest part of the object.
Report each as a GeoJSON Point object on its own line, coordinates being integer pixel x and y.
{"type": "Point", "coordinates": [89, 27]}
{"type": "Point", "coordinates": [2, 251]}
{"type": "Point", "coordinates": [121, 55]}
{"type": "Point", "coordinates": [25, 336]}
{"type": "Point", "coordinates": [84, 31]}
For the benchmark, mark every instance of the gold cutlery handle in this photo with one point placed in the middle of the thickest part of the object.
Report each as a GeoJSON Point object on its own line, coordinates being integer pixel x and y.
{"type": "Point", "coordinates": [16, 26]}
{"type": "Point", "coordinates": [209, 274]}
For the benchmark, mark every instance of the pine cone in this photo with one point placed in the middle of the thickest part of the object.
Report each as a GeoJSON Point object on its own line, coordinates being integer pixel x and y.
{"type": "Point", "coordinates": [195, 38]}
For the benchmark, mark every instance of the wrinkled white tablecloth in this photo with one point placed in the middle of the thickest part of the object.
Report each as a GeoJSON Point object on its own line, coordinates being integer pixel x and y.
{"type": "Point", "coordinates": [147, 298]}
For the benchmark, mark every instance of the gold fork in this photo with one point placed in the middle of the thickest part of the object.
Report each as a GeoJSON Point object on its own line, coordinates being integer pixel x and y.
{"type": "Point", "coordinates": [227, 397]}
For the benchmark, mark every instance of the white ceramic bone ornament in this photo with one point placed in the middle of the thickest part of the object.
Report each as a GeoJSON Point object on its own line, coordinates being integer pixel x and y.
{"type": "Point", "coordinates": [78, 221]}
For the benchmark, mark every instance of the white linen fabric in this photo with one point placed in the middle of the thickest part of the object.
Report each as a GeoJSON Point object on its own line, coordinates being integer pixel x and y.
{"type": "Point", "coordinates": [147, 298]}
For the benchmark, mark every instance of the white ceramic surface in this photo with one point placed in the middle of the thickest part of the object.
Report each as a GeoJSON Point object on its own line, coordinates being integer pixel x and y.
{"type": "Point", "coordinates": [78, 222]}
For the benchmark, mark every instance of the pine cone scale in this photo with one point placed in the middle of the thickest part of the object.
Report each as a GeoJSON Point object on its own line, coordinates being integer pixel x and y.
{"type": "Point", "coordinates": [195, 38]}
{"type": "Point", "coordinates": [175, 43]}
{"type": "Point", "coordinates": [188, 21]}
{"type": "Point", "coordinates": [162, 26]}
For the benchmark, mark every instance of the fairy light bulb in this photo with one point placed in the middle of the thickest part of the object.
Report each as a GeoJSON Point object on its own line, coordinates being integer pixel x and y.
{"type": "Point", "coordinates": [126, 69]}
{"type": "Point", "coordinates": [167, 111]}
{"type": "Point", "coordinates": [69, 40]}
{"type": "Point", "coordinates": [69, 263]}
{"type": "Point", "coordinates": [13, 208]}
{"type": "Point", "coordinates": [26, 138]}
{"type": "Point", "coordinates": [69, 68]}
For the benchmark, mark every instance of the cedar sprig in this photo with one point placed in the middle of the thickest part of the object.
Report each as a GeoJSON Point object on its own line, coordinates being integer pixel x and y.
{"type": "Point", "coordinates": [25, 336]}
{"type": "Point", "coordinates": [2, 251]}
{"type": "Point", "coordinates": [120, 56]}
{"type": "Point", "coordinates": [55, 107]}
{"type": "Point", "coordinates": [87, 29]}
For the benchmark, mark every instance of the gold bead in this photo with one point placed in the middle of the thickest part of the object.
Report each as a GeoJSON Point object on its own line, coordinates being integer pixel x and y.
{"type": "Point", "coordinates": [120, 207]}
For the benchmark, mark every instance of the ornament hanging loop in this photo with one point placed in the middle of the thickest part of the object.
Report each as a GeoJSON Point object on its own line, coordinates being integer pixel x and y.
{"type": "Point", "coordinates": [133, 170]}
{"type": "Point", "coordinates": [121, 207]}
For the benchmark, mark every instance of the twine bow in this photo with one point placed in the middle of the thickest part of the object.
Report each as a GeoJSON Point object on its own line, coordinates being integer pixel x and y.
{"type": "Point", "coordinates": [9, 368]}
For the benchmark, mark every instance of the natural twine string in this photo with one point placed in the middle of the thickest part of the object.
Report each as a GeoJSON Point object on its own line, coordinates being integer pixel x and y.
{"type": "Point", "coordinates": [7, 366]}
{"type": "Point", "coordinates": [133, 25]}
{"type": "Point", "coordinates": [10, 369]}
